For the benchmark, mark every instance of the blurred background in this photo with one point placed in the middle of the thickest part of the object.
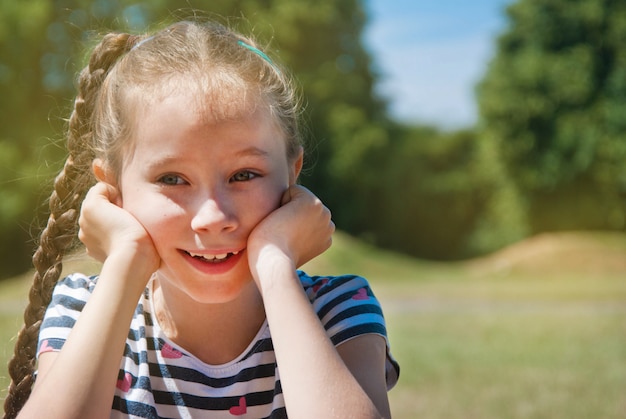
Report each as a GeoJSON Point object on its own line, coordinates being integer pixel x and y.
{"type": "Point", "coordinates": [475, 141]}
{"type": "Point", "coordinates": [443, 130]}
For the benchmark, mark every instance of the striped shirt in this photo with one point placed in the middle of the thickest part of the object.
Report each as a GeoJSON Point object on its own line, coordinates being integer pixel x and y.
{"type": "Point", "coordinates": [158, 379]}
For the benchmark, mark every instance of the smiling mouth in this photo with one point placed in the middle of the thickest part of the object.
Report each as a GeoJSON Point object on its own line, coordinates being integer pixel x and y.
{"type": "Point", "coordinates": [212, 258]}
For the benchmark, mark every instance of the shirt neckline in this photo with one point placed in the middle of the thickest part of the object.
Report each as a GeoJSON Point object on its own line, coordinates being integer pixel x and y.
{"type": "Point", "coordinates": [160, 334]}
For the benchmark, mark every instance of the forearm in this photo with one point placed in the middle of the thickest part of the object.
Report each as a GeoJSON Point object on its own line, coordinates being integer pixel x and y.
{"type": "Point", "coordinates": [315, 380]}
{"type": "Point", "coordinates": [80, 380]}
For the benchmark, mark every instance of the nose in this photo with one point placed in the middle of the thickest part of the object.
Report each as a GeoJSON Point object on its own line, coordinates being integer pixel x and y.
{"type": "Point", "coordinates": [213, 216]}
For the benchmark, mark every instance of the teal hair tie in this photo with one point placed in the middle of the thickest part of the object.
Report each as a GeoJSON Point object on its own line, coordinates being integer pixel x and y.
{"type": "Point", "coordinates": [257, 52]}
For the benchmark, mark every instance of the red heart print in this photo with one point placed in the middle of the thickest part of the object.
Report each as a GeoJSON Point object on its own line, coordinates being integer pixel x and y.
{"type": "Point", "coordinates": [317, 287]}
{"type": "Point", "coordinates": [45, 347]}
{"type": "Point", "coordinates": [241, 409]}
{"type": "Point", "coordinates": [361, 294]}
{"type": "Point", "coordinates": [169, 352]}
{"type": "Point", "coordinates": [124, 383]}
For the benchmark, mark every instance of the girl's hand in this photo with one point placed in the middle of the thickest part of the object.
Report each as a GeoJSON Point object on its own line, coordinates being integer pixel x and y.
{"type": "Point", "coordinates": [106, 228]}
{"type": "Point", "coordinates": [300, 229]}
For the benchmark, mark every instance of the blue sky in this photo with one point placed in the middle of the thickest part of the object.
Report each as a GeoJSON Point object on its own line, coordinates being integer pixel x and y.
{"type": "Point", "coordinates": [431, 54]}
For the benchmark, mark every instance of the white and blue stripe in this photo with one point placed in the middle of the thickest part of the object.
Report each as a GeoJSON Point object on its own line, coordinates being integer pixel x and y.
{"type": "Point", "coordinates": [158, 379]}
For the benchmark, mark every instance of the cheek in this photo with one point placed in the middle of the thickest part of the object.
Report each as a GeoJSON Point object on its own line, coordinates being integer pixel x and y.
{"type": "Point", "coordinates": [155, 212]}
{"type": "Point", "coordinates": [266, 201]}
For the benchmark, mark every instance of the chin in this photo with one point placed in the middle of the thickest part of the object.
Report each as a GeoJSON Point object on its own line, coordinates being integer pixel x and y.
{"type": "Point", "coordinates": [219, 289]}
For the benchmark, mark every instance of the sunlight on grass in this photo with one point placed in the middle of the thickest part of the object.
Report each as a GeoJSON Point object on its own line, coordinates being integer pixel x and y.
{"type": "Point", "coordinates": [487, 345]}
{"type": "Point", "coordinates": [516, 345]}
{"type": "Point", "coordinates": [493, 363]}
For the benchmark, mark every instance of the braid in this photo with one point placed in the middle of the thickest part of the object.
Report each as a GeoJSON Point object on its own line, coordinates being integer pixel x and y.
{"type": "Point", "coordinates": [57, 238]}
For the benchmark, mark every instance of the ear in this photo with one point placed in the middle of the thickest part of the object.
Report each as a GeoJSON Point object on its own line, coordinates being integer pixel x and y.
{"type": "Point", "coordinates": [102, 172]}
{"type": "Point", "coordinates": [296, 167]}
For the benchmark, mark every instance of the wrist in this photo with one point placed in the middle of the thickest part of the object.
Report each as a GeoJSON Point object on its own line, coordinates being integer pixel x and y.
{"type": "Point", "coordinates": [131, 266]}
{"type": "Point", "coordinates": [272, 267]}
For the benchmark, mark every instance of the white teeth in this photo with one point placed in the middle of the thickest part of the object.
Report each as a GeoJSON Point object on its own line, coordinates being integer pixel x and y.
{"type": "Point", "coordinates": [212, 257]}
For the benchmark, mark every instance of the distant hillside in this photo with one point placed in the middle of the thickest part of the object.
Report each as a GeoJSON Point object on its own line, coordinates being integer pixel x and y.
{"type": "Point", "coordinates": [587, 253]}
{"type": "Point", "coordinates": [349, 255]}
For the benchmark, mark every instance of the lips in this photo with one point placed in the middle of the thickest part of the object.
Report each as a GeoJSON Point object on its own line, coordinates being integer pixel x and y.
{"type": "Point", "coordinates": [213, 263]}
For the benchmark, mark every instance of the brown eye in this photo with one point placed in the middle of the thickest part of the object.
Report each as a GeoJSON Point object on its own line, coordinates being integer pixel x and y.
{"type": "Point", "coordinates": [243, 176]}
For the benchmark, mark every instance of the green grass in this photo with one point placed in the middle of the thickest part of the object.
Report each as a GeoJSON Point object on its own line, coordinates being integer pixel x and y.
{"type": "Point", "coordinates": [13, 298]}
{"type": "Point", "coordinates": [475, 345]}
{"type": "Point", "coordinates": [522, 345]}
{"type": "Point", "coordinates": [497, 358]}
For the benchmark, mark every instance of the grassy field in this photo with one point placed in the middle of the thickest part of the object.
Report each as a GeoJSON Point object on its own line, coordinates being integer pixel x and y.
{"type": "Point", "coordinates": [535, 331]}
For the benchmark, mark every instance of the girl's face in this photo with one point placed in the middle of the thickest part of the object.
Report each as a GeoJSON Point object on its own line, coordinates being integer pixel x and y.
{"type": "Point", "coordinates": [199, 188]}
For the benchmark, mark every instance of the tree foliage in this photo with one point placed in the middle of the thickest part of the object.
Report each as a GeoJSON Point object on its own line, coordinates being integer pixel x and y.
{"type": "Point", "coordinates": [553, 104]}
{"type": "Point", "coordinates": [429, 200]}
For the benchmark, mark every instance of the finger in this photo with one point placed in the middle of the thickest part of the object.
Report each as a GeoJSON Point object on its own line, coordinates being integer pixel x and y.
{"type": "Point", "coordinates": [292, 193]}
{"type": "Point", "coordinates": [286, 198]}
{"type": "Point", "coordinates": [102, 190]}
{"type": "Point", "coordinates": [297, 192]}
{"type": "Point", "coordinates": [109, 192]}
{"type": "Point", "coordinates": [114, 194]}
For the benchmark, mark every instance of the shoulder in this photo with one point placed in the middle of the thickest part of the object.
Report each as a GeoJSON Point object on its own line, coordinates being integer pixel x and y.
{"type": "Point", "coordinates": [341, 297]}
{"type": "Point", "coordinates": [73, 291]}
{"type": "Point", "coordinates": [68, 300]}
{"type": "Point", "coordinates": [69, 297]}
{"type": "Point", "coordinates": [348, 308]}
{"type": "Point", "coordinates": [346, 286]}
{"type": "Point", "coordinates": [345, 304]}
{"type": "Point", "coordinates": [77, 281]}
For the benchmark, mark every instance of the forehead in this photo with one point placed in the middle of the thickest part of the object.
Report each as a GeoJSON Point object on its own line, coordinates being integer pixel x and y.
{"type": "Point", "coordinates": [196, 101]}
{"type": "Point", "coordinates": [186, 123]}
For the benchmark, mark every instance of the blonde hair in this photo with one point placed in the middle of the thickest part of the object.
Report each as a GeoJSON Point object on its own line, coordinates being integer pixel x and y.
{"type": "Point", "coordinates": [230, 74]}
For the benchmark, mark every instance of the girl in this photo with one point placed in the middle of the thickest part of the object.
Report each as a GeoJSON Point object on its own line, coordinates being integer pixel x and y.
{"type": "Point", "coordinates": [187, 143]}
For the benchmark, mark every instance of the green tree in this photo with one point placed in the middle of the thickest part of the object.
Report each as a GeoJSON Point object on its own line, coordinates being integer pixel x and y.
{"type": "Point", "coordinates": [552, 105]}
{"type": "Point", "coordinates": [40, 46]}
{"type": "Point", "coordinates": [433, 198]}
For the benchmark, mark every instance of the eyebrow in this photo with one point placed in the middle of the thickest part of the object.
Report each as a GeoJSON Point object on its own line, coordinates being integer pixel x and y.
{"type": "Point", "coordinates": [252, 151]}
{"type": "Point", "coordinates": [161, 161]}
{"type": "Point", "coordinates": [246, 152]}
